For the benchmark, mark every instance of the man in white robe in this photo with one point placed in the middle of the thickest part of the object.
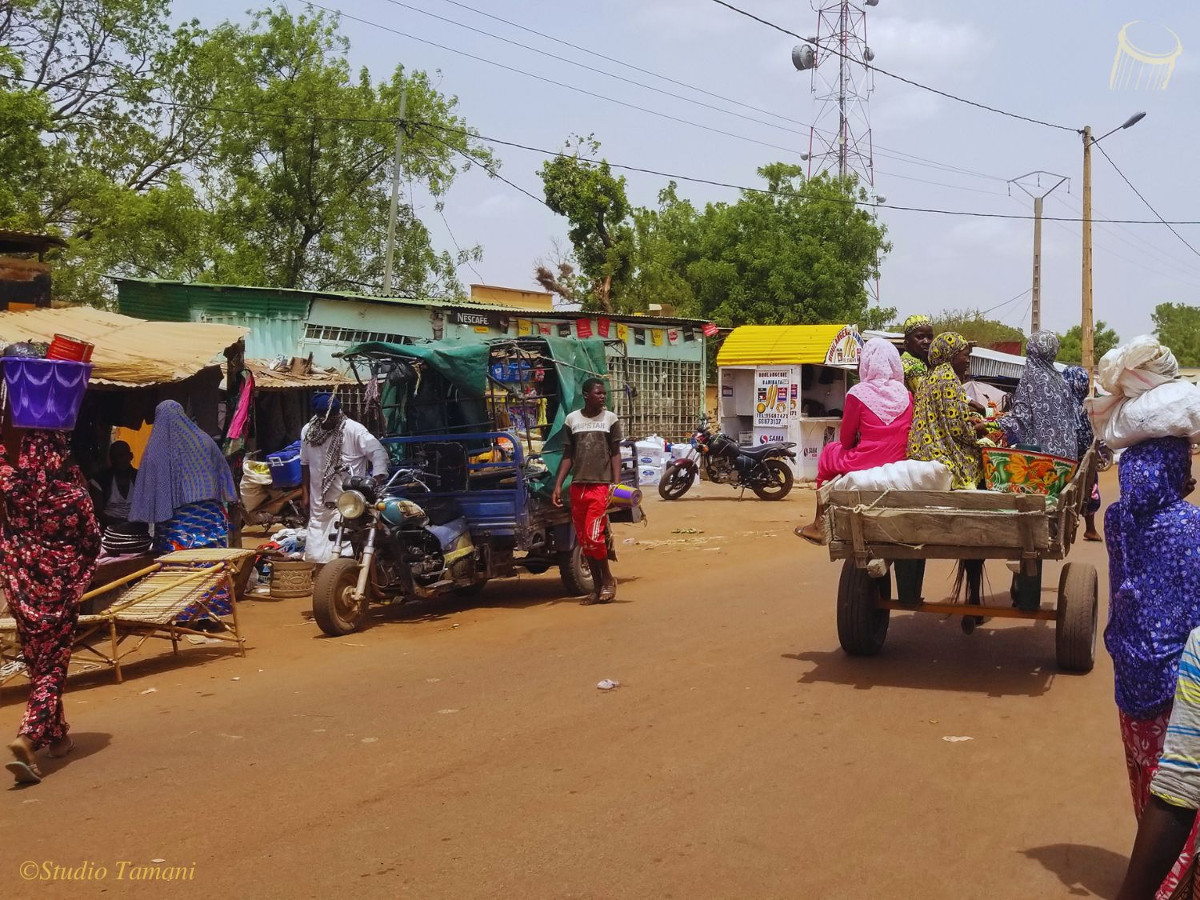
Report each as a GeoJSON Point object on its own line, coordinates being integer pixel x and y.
{"type": "Point", "coordinates": [333, 447]}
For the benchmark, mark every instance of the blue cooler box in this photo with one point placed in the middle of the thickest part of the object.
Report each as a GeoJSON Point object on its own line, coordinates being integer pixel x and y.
{"type": "Point", "coordinates": [285, 467]}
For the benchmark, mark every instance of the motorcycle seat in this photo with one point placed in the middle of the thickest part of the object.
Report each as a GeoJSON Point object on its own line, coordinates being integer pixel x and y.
{"type": "Point", "coordinates": [761, 450]}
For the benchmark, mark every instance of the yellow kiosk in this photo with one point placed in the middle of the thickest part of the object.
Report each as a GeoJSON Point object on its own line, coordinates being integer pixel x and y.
{"type": "Point", "coordinates": [786, 383]}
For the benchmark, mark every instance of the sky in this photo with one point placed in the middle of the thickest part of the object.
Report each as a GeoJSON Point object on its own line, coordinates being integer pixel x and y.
{"type": "Point", "coordinates": [1047, 61]}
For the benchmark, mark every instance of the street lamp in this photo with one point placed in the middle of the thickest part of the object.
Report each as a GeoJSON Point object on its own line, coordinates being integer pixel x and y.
{"type": "Point", "coordinates": [1087, 335]}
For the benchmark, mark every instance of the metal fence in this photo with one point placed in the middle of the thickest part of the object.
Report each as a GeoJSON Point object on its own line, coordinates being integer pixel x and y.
{"type": "Point", "coordinates": [656, 396]}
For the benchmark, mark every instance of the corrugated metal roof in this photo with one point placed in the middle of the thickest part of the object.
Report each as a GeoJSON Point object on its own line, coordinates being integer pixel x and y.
{"type": "Point", "coordinates": [268, 379]}
{"type": "Point", "coordinates": [428, 302]}
{"type": "Point", "coordinates": [987, 363]}
{"type": "Point", "coordinates": [128, 352]}
{"type": "Point", "coordinates": [782, 345]}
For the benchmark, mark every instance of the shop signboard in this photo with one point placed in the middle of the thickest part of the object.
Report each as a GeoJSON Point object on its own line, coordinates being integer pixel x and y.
{"type": "Point", "coordinates": [771, 397]}
{"type": "Point", "coordinates": [843, 351]}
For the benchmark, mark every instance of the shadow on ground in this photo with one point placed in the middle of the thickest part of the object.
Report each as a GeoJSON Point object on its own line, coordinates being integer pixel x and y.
{"type": "Point", "coordinates": [1084, 870]}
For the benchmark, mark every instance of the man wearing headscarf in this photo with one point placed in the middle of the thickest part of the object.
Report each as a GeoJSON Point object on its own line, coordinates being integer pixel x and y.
{"type": "Point", "coordinates": [1044, 412]}
{"type": "Point", "coordinates": [945, 428]}
{"type": "Point", "coordinates": [918, 335]}
{"type": "Point", "coordinates": [333, 447]}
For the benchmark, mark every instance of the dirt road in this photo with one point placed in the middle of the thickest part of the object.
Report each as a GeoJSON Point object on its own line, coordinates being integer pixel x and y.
{"type": "Point", "coordinates": [466, 751]}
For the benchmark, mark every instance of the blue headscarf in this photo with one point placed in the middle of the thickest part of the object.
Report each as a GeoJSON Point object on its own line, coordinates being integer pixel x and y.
{"type": "Point", "coordinates": [181, 465]}
{"type": "Point", "coordinates": [1077, 380]}
{"type": "Point", "coordinates": [1153, 538]}
{"type": "Point", "coordinates": [322, 402]}
{"type": "Point", "coordinates": [1044, 411]}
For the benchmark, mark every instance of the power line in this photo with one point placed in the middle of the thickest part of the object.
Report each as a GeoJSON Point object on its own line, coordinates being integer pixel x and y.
{"type": "Point", "coordinates": [901, 78]}
{"type": "Point", "coordinates": [597, 71]}
{"type": "Point", "coordinates": [757, 190]}
{"type": "Point", "coordinates": [551, 81]}
{"type": "Point", "coordinates": [1143, 199]}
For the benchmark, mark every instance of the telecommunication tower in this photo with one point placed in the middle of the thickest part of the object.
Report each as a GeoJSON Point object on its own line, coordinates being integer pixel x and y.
{"type": "Point", "coordinates": [839, 58]}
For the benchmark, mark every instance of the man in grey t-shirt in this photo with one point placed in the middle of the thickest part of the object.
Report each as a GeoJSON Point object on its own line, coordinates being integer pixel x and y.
{"type": "Point", "coordinates": [592, 456]}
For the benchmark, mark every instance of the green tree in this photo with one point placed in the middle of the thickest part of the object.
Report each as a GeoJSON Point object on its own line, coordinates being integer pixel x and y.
{"type": "Point", "coordinates": [801, 251]}
{"type": "Point", "coordinates": [1178, 326]}
{"type": "Point", "coordinates": [1070, 343]}
{"type": "Point", "coordinates": [975, 327]}
{"type": "Point", "coordinates": [247, 154]}
{"type": "Point", "coordinates": [301, 193]}
{"type": "Point", "coordinates": [583, 188]}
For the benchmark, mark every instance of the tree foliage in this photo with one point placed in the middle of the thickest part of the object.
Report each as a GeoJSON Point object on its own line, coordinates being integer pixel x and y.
{"type": "Point", "coordinates": [1070, 343]}
{"type": "Point", "coordinates": [241, 153]}
{"type": "Point", "coordinates": [1178, 326]}
{"type": "Point", "coordinates": [975, 327]}
{"type": "Point", "coordinates": [582, 188]}
{"type": "Point", "coordinates": [796, 251]}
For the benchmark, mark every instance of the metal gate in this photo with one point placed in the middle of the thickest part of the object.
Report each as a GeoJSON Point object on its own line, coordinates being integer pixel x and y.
{"type": "Point", "coordinates": [656, 396]}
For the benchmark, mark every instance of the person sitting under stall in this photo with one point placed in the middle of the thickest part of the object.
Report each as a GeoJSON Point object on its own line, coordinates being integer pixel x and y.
{"type": "Point", "coordinates": [875, 424]}
{"type": "Point", "coordinates": [112, 488]}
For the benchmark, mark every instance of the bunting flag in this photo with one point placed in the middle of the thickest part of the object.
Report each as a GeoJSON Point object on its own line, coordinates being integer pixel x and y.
{"type": "Point", "coordinates": [656, 337]}
{"type": "Point", "coordinates": [672, 335]}
{"type": "Point", "coordinates": [583, 327]}
{"type": "Point", "coordinates": [564, 329]}
{"type": "Point", "coordinates": [544, 328]}
{"type": "Point", "coordinates": [602, 326]}
{"type": "Point", "coordinates": [524, 326]}
{"type": "Point", "coordinates": [622, 331]}
{"type": "Point", "coordinates": [710, 329]}
{"type": "Point", "coordinates": [639, 336]}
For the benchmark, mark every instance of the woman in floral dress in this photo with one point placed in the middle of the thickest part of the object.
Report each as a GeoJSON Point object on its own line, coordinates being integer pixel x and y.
{"type": "Point", "coordinates": [49, 542]}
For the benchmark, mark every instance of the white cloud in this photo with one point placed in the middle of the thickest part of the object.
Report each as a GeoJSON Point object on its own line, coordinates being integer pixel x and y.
{"type": "Point", "coordinates": [926, 45]}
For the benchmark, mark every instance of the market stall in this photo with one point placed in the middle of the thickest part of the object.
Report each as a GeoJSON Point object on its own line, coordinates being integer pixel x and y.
{"type": "Point", "coordinates": [786, 383]}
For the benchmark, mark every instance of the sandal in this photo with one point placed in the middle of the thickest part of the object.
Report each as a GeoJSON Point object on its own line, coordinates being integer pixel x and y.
{"type": "Point", "coordinates": [607, 594]}
{"type": "Point", "coordinates": [61, 748]}
{"type": "Point", "coordinates": [590, 600]}
{"type": "Point", "coordinates": [24, 767]}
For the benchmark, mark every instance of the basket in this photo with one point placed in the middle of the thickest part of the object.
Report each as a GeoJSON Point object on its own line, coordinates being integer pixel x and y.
{"type": "Point", "coordinates": [45, 394]}
{"type": "Point", "coordinates": [1012, 471]}
{"type": "Point", "coordinates": [285, 467]}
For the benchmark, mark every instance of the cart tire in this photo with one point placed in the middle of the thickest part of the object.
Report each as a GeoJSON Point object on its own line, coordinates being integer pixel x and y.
{"type": "Point", "coordinates": [676, 482]}
{"type": "Point", "coordinates": [862, 628]}
{"type": "Point", "coordinates": [1078, 608]}
{"type": "Point", "coordinates": [576, 576]}
{"type": "Point", "coordinates": [335, 612]}
{"type": "Point", "coordinates": [781, 481]}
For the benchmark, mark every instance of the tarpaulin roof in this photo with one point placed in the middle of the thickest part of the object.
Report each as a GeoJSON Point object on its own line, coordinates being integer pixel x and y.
{"type": "Point", "coordinates": [128, 352]}
{"type": "Point", "coordinates": [777, 345]}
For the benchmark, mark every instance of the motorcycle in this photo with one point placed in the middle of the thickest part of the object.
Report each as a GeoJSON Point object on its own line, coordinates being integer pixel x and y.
{"type": "Point", "coordinates": [267, 506]}
{"type": "Point", "coordinates": [763, 468]}
{"type": "Point", "coordinates": [401, 549]}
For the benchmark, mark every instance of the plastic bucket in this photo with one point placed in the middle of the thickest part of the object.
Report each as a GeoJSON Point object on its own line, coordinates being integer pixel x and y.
{"type": "Point", "coordinates": [623, 496]}
{"type": "Point", "coordinates": [45, 394]}
{"type": "Point", "coordinates": [69, 348]}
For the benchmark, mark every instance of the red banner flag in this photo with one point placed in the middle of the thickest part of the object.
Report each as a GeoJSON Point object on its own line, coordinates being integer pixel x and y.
{"type": "Point", "coordinates": [710, 329]}
{"type": "Point", "coordinates": [672, 335]}
{"type": "Point", "coordinates": [583, 327]}
{"type": "Point", "coordinates": [602, 326]}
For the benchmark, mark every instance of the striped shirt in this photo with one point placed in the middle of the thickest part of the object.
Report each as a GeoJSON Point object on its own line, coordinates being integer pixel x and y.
{"type": "Point", "coordinates": [1177, 780]}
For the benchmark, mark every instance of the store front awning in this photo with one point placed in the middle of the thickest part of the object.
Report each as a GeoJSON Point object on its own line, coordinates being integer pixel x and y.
{"type": "Point", "coordinates": [128, 352]}
{"type": "Point", "coordinates": [790, 345]}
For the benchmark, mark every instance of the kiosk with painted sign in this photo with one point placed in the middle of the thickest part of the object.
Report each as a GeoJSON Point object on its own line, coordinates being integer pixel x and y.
{"type": "Point", "coordinates": [786, 383]}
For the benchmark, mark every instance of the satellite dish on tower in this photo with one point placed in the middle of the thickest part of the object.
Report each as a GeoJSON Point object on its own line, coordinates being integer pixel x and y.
{"type": "Point", "coordinates": [803, 57]}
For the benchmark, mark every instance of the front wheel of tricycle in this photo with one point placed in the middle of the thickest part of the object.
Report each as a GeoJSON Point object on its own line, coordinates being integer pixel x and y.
{"type": "Point", "coordinates": [335, 608]}
{"type": "Point", "coordinates": [576, 575]}
{"type": "Point", "coordinates": [862, 627]}
{"type": "Point", "coordinates": [1078, 608]}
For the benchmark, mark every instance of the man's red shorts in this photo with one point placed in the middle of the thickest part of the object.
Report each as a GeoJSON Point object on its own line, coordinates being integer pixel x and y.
{"type": "Point", "coordinates": [589, 512]}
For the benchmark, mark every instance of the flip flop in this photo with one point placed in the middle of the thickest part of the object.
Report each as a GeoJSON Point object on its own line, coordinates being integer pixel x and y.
{"type": "Point", "coordinates": [24, 773]}
{"type": "Point", "coordinates": [607, 595]}
{"type": "Point", "coordinates": [590, 600]}
{"type": "Point", "coordinates": [812, 539]}
{"type": "Point", "coordinates": [59, 754]}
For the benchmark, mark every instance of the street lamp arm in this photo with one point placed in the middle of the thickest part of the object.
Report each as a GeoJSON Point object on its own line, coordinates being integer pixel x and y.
{"type": "Point", "coordinates": [1128, 123]}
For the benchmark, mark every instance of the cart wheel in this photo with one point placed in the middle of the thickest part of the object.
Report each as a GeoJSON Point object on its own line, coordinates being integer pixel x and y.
{"type": "Point", "coordinates": [862, 628]}
{"type": "Point", "coordinates": [1075, 635]}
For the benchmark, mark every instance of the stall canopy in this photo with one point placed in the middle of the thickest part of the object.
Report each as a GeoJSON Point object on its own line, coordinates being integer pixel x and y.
{"type": "Point", "coordinates": [128, 352]}
{"type": "Point", "coordinates": [790, 345]}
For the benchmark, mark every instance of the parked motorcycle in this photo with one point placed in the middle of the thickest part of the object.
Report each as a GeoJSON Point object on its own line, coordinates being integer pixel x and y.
{"type": "Point", "coordinates": [763, 468]}
{"type": "Point", "coordinates": [403, 548]}
{"type": "Point", "coordinates": [273, 506]}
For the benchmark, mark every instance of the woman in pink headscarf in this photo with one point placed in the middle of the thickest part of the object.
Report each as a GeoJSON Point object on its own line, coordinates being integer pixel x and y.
{"type": "Point", "coordinates": [875, 424]}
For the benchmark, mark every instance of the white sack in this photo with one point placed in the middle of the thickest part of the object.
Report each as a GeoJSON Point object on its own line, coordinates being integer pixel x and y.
{"type": "Point", "coordinates": [1168, 410]}
{"type": "Point", "coordinates": [906, 475]}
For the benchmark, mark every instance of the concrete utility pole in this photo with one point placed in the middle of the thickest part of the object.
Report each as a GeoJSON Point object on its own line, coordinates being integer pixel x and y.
{"type": "Point", "coordinates": [1035, 323]}
{"type": "Point", "coordinates": [391, 234]}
